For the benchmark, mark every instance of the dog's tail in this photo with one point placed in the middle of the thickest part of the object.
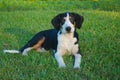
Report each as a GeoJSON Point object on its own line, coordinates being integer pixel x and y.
{"type": "Point", "coordinates": [11, 51]}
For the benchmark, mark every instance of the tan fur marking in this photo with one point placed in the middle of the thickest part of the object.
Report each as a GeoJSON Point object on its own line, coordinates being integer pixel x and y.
{"type": "Point", "coordinates": [74, 24]}
{"type": "Point", "coordinates": [38, 45]}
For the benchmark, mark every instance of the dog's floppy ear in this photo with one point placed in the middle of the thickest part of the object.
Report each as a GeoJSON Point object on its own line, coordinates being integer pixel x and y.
{"type": "Point", "coordinates": [56, 22]}
{"type": "Point", "coordinates": [78, 20]}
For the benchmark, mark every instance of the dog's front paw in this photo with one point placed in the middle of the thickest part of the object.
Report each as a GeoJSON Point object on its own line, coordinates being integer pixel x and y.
{"type": "Point", "coordinates": [62, 66]}
{"type": "Point", "coordinates": [76, 67]}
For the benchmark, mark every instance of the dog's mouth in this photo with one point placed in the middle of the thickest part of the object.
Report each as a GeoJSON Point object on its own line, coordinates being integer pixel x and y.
{"type": "Point", "coordinates": [69, 31]}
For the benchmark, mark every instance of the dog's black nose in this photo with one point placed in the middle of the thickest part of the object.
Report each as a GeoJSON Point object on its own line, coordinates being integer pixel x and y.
{"type": "Point", "coordinates": [68, 29]}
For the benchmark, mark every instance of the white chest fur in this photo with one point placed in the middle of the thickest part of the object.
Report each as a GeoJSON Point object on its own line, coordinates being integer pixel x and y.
{"type": "Point", "coordinates": [66, 44]}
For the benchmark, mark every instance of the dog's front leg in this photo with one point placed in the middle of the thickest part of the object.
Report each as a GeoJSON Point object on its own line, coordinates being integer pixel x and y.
{"type": "Point", "coordinates": [59, 59]}
{"type": "Point", "coordinates": [77, 60]}
{"type": "Point", "coordinates": [77, 56]}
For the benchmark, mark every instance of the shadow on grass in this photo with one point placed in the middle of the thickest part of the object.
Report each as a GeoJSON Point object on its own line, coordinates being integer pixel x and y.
{"type": "Point", "coordinates": [21, 35]}
{"type": "Point", "coordinates": [17, 31]}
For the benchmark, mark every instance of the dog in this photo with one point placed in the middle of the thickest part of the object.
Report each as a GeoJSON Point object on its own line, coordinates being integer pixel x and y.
{"type": "Point", "coordinates": [62, 39]}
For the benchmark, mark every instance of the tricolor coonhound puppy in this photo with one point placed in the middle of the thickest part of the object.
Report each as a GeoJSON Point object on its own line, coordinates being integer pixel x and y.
{"type": "Point", "coordinates": [63, 39]}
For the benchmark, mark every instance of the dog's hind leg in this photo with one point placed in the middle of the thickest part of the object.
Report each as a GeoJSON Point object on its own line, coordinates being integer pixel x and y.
{"type": "Point", "coordinates": [26, 50]}
{"type": "Point", "coordinates": [38, 46]}
{"type": "Point", "coordinates": [32, 45]}
{"type": "Point", "coordinates": [40, 50]}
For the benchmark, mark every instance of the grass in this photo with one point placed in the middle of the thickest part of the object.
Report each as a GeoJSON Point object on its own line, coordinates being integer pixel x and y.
{"type": "Point", "coordinates": [99, 43]}
{"type": "Point", "coordinates": [107, 5]}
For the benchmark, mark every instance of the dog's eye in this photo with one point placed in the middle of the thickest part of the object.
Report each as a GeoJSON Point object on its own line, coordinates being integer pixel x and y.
{"type": "Point", "coordinates": [71, 20]}
{"type": "Point", "coordinates": [63, 21]}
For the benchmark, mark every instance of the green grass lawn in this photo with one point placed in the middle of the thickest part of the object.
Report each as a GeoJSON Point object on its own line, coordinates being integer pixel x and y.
{"type": "Point", "coordinates": [99, 43]}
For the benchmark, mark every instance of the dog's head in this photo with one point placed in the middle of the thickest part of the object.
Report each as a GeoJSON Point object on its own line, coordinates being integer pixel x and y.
{"type": "Point", "coordinates": [67, 22]}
